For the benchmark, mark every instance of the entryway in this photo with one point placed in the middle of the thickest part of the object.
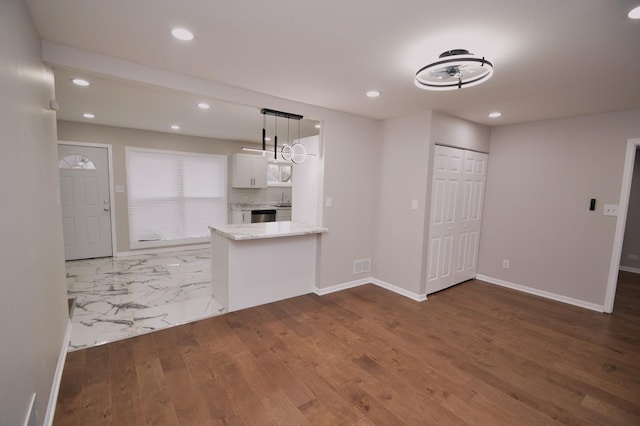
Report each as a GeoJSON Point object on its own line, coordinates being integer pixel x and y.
{"type": "Point", "coordinates": [86, 201]}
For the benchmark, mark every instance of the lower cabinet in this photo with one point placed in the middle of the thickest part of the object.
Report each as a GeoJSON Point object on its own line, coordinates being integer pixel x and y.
{"type": "Point", "coordinates": [240, 216]}
{"type": "Point", "coordinates": [283, 215]}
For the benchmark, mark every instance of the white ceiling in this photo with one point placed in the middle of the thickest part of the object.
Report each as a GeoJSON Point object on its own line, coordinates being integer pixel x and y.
{"type": "Point", "coordinates": [123, 103]}
{"type": "Point", "coordinates": [552, 58]}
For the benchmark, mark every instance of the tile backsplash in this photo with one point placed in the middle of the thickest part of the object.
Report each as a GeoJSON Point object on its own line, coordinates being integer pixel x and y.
{"type": "Point", "coordinates": [272, 194]}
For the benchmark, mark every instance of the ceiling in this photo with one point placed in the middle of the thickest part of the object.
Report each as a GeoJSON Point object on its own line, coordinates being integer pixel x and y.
{"type": "Point", "coordinates": [122, 103]}
{"type": "Point", "coordinates": [552, 58]}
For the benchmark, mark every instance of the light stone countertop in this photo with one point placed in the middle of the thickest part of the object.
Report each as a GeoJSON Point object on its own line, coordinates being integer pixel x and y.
{"type": "Point", "coordinates": [253, 231]}
{"type": "Point", "coordinates": [257, 206]}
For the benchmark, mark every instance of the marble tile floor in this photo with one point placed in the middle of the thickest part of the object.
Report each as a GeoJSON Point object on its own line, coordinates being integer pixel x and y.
{"type": "Point", "coordinates": [116, 298]}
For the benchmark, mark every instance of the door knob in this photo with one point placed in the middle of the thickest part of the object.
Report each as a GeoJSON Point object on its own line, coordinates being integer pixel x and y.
{"type": "Point", "coordinates": [106, 209]}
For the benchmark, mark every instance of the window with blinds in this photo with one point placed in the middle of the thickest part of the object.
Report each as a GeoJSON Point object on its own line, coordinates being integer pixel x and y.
{"type": "Point", "coordinates": [174, 196]}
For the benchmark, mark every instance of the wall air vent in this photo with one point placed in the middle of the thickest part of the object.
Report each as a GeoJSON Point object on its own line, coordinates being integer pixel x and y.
{"type": "Point", "coordinates": [361, 265]}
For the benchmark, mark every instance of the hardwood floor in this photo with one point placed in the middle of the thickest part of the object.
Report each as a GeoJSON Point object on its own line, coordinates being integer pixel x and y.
{"type": "Point", "coordinates": [474, 354]}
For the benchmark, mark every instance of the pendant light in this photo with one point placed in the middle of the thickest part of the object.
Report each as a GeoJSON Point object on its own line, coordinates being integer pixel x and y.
{"type": "Point", "coordinates": [295, 153]}
{"type": "Point", "coordinates": [453, 70]}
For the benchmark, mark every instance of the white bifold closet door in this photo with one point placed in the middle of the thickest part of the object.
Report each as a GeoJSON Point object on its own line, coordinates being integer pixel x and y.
{"type": "Point", "coordinates": [456, 215]}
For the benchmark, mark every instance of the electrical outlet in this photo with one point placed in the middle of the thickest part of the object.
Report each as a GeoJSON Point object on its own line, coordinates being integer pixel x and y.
{"type": "Point", "coordinates": [328, 202]}
{"type": "Point", "coordinates": [505, 264]}
{"type": "Point", "coordinates": [414, 204]}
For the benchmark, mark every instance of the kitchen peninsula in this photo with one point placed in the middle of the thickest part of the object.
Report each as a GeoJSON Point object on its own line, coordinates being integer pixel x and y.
{"type": "Point", "coordinates": [257, 263]}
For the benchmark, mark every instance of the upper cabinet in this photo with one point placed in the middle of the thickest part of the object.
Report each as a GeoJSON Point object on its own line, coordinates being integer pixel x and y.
{"type": "Point", "coordinates": [248, 171]}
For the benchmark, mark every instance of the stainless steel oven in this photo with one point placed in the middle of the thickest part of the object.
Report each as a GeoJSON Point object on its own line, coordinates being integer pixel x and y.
{"type": "Point", "coordinates": [268, 215]}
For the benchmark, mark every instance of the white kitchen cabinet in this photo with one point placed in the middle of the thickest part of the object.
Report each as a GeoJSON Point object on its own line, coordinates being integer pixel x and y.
{"type": "Point", "coordinates": [248, 171]}
{"type": "Point", "coordinates": [240, 216]}
{"type": "Point", "coordinates": [283, 214]}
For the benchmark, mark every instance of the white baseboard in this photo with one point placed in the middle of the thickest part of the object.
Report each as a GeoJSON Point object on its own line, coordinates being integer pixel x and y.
{"type": "Point", "coordinates": [541, 293]}
{"type": "Point", "coordinates": [401, 291]}
{"type": "Point", "coordinates": [57, 378]}
{"type": "Point", "coordinates": [629, 269]}
{"type": "Point", "coordinates": [339, 287]}
{"type": "Point", "coordinates": [370, 280]}
{"type": "Point", "coordinates": [162, 250]}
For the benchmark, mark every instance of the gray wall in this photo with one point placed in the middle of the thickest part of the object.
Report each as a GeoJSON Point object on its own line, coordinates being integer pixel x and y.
{"type": "Point", "coordinates": [33, 315]}
{"type": "Point", "coordinates": [351, 158]}
{"type": "Point", "coordinates": [541, 176]}
{"type": "Point", "coordinates": [631, 244]}
{"type": "Point", "coordinates": [403, 175]}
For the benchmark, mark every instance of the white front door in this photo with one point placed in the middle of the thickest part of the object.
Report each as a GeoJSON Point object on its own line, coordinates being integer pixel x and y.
{"type": "Point", "coordinates": [85, 200]}
{"type": "Point", "coordinates": [456, 213]}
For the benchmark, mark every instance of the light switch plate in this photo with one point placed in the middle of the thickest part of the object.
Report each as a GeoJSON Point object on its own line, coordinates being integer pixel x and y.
{"type": "Point", "coordinates": [414, 204]}
{"type": "Point", "coordinates": [328, 202]}
{"type": "Point", "coordinates": [610, 210]}
{"type": "Point", "coordinates": [119, 188]}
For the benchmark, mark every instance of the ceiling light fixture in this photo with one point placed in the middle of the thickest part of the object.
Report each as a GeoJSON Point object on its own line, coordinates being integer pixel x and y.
{"type": "Point", "coordinates": [175, 127]}
{"type": "Point", "coordinates": [373, 93]}
{"type": "Point", "coordinates": [454, 69]}
{"type": "Point", "coordinates": [634, 13]}
{"type": "Point", "coordinates": [296, 153]}
{"type": "Point", "coordinates": [204, 105]}
{"type": "Point", "coordinates": [182, 34]}
{"type": "Point", "coordinates": [80, 82]}
{"type": "Point", "coordinates": [495, 114]}
{"type": "Point", "coordinates": [88, 115]}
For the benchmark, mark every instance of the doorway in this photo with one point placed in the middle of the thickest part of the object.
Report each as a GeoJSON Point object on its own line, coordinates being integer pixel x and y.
{"type": "Point", "coordinates": [85, 198]}
{"type": "Point", "coordinates": [625, 191]}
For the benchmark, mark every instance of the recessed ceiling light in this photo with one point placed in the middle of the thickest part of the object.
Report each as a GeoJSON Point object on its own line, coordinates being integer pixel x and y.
{"type": "Point", "coordinates": [182, 34]}
{"type": "Point", "coordinates": [317, 126]}
{"type": "Point", "coordinates": [635, 13]}
{"type": "Point", "coordinates": [267, 139]}
{"type": "Point", "coordinates": [204, 105]}
{"type": "Point", "coordinates": [88, 115]}
{"type": "Point", "coordinates": [495, 114]}
{"type": "Point", "coordinates": [373, 93]}
{"type": "Point", "coordinates": [175, 127]}
{"type": "Point", "coordinates": [80, 82]}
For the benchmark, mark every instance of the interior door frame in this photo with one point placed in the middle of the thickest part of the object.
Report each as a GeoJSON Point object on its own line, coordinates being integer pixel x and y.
{"type": "Point", "coordinates": [112, 214]}
{"type": "Point", "coordinates": [621, 222]}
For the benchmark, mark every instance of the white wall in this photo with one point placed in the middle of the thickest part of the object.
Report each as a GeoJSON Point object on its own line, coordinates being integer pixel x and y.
{"type": "Point", "coordinates": [33, 315]}
{"type": "Point", "coordinates": [631, 244]}
{"type": "Point", "coordinates": [307, 183]}
{"type": "Point", "coordinates": [540, 179]}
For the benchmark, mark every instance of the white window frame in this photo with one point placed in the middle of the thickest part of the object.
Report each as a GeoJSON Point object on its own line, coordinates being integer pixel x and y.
{"type": "Point", "coordinates": [280, 163]}
{"type": "Point", "coordinates": [134, 244]}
